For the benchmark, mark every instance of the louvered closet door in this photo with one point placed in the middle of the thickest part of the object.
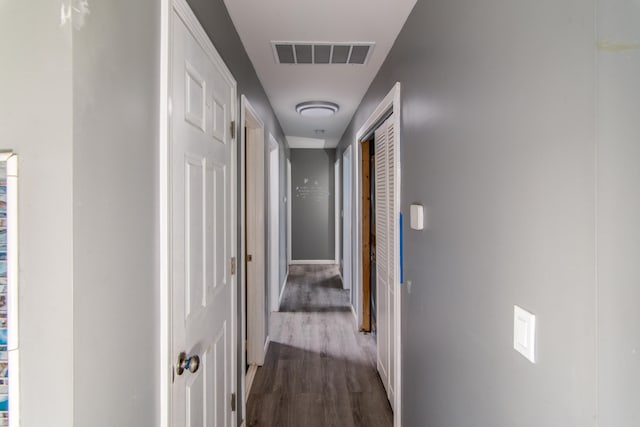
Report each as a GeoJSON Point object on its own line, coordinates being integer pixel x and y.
{"type": "Point", "coordinates": [392, 220]}
{"type": "Point", "coordinates": [386, 229]}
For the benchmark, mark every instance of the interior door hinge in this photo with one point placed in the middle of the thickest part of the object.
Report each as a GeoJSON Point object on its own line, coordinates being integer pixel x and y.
{"type": "Point", "coordinates": [233, 402]}
{"type": "Point", "coordinates": [233, 129]}
{"type": "Point", "coordinates": [233, 265]}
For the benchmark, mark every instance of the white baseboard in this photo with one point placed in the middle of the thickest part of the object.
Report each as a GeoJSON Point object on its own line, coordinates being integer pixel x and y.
{"type": "Point", "coordinates": [266, 347]}
{"type": "Point", "coordinates": [312, 261]}
{"type": "Point", "coordinates": [355, 316]}
{"type": "Point", "coordinates": [284, 285]}
{"type": "Point", "coordinates": [251, 374]}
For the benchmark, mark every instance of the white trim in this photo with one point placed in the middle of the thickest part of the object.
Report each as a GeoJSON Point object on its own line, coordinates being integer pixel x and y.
{"type": "Point", "coordinates": [337, 181]}
{"type": "Point", "coordinates": [254, 301]}
{"type": "Point", "coordinates": [184, 12]}
{"type": "Point", "coordinates": [163, 232]}
{"type": "Point", "coordinates": [274, 223]}
{"type": "Point", "coordinates": [251, 375]}
{"type": "Point", "coordinates": [313, 261]}
{"type": "Point", "coordinates": [266, 344]}
{"type": "Point", "coordinates": [390, 102]}
{"type": "Point", "coordinates": [355, 317]}
{"type": "Point", "coordinates": [288, 211]}
{"type": "Point", "coordinates": [347, 219]}
{"type": "Point", "coordinates": [273, 144]}
{"type": "Point", "coordinates": [284, 285]}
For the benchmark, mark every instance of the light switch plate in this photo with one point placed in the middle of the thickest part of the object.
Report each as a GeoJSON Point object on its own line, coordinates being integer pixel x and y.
{"type": "Point", "coordinates": [417, 217]}
{"type": "Point", "coordinates": [524, 333]}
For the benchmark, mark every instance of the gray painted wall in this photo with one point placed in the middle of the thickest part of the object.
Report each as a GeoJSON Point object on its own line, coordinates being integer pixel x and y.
{"type": "Point", "coordinates": [498, 141]}
{"type": "Point", "coordinates": [216, 21]}
{"type": "Point", "coordinates": [115, 215]}
{"type": "Point", "coordinates": [36, 122]}
{"type": "Point", "coordinates": [313, 204]}
{"type": "Point", "coordinates": [618, 212]}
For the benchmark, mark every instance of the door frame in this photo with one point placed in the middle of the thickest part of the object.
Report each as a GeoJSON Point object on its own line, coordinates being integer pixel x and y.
{"type": "Point", "coordinates": [254, 316]}
{"type": "Point", "coordinates": [288, 213]}
{"type": "Point", "coordinates": [337, 179]}
{"type": "Point", "coordinates": [182, 9]}
{"type": "Point", "coordinates": [347, 217]}
{"type": "Point", "coordinates": [391, 102]}
{"type": "Point", "coordinates": [274, 224]}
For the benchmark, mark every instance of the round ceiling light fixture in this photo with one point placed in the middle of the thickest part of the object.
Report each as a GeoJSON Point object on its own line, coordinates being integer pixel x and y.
{"type": "Point", "coordinates": [317, 108]}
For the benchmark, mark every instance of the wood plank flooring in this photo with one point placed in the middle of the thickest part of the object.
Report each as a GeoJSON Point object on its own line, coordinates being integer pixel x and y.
{"type": "Point", "coordinates": [319, 371]}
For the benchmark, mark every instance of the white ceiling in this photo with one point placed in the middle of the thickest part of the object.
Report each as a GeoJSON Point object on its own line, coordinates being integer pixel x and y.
{"type": "Point", "coordinates": [259, 22]}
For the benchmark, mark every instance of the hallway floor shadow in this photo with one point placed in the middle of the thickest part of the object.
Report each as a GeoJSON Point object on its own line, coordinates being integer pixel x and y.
{"type": "Point", "coordinates": [314, 288]}
{"type": "Point", "coordinates": [318, 371]}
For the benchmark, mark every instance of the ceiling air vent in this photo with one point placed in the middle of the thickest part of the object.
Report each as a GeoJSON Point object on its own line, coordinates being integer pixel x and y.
{"type": "Point", "coordinates": [321, 53]}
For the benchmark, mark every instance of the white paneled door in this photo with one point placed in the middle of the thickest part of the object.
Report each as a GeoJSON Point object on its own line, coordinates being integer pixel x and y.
{"type": "Point", "coordinates": [202, 229]}
{"type": "Point", "coordinates": [386, 251]}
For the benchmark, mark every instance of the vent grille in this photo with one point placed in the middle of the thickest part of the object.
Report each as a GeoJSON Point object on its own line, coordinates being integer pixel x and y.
{"type": "Point", "coordinates": [321, 53]}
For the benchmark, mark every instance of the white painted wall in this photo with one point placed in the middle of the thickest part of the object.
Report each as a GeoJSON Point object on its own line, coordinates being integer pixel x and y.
{"type": "Point", "coordinates": [35, 121]}
{"type": "Point", "coordinates": [79, 107]}
{"type": "Point", "coordinates": [116, 211]}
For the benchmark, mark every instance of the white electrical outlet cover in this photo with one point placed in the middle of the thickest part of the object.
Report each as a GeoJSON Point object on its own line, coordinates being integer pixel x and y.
{"type": "Point", "coordinates": [524, 333]}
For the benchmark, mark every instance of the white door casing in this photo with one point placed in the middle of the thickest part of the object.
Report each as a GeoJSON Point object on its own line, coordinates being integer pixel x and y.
{"type": "Point", "coordinates": [254, 233]}
{"type": "Point", "coordinates": [338, 195]}
{"type": "Point", "coordinates": [346, 218]}
{"type": "Point", "coordinates": [202, 226]}
{"type": "Point", "coordinates": [274, 223]}
{"type": "Point", "coordinates": [289, 184]}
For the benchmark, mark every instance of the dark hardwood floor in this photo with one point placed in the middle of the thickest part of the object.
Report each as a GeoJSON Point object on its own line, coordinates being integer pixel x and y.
{"type": "Point", "coordinates": [319, 371]}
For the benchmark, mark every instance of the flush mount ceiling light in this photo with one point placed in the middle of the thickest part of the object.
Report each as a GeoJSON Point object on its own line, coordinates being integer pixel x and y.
{"type": "Point", "coordinates": [317, 108]}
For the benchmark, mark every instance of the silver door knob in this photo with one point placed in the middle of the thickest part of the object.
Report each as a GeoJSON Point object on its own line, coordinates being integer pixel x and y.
{"type": "Point", "coordinates": [190, 364]}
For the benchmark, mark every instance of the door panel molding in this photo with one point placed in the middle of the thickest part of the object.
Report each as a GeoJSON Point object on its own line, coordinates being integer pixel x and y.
{"type": "Point", "coordinates": [215, 109]}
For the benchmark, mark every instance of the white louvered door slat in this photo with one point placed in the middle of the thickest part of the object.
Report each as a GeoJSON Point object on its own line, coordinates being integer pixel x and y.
{"type": "Point", "coordinates": [392, 244]}
{"type": "Point", "coordinates": [382, 252]}
{"type": "Point", "coordinates": [386, 242]}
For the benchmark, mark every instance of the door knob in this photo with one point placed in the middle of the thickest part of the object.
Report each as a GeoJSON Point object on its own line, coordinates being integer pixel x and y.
{"type": "Point", "coordinates": [187, 363]}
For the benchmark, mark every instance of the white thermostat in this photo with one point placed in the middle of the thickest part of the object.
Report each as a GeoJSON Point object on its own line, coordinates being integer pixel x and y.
{"type": "Point", "coordinates": [417, 217]}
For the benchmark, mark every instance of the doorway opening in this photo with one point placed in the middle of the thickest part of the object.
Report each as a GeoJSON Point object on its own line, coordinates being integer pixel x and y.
{"type": "Point", "coordinates": [368, 303]}
{"type": "Point", "coordinates": [381, 133]}
{"type": "Point", "coordinates": [254, 339]}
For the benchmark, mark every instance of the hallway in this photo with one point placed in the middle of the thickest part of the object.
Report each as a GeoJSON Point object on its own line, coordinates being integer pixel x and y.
{"type": "Point", "coordinates": [319, 371]}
